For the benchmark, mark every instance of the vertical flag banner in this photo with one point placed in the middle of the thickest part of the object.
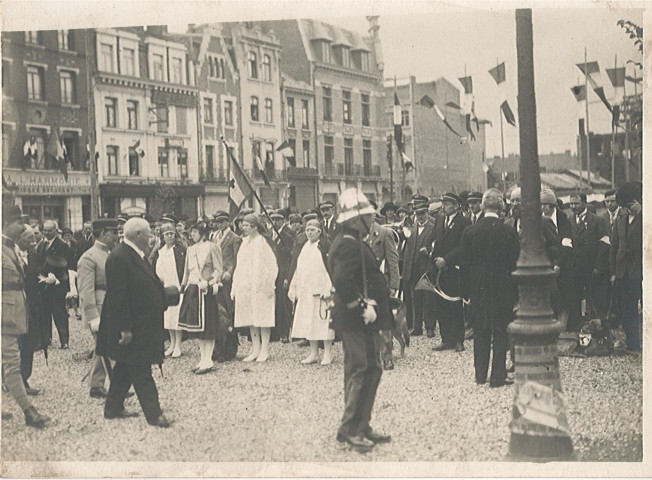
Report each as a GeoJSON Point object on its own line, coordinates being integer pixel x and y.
{"type": "Point", "coordinates": [579, 92]}
{"type": "Point", "coordinates": [286, 150]}
{"type": "Point", "coordinates": [30, 152]}
{"type": "Point", "coordinates": [57, 150]}
{"type": "Point", "coordinates": [507, 112]}
{"type": "Point", "coordinates": [617, 78]}
{"type": "Point", "coordinates": [498, 73]}
{"type": "Point", "coordinates": [259, 165]}
{"type": "Point", "coordinates": [595, 80]}
{"type": "Point", "coordinates": [467, 83]}
{"type": "Point", "coordinates": [239, 186]}
{"type": "Point", "coordinates": [398, 133]}
{"type": "Point", "coordinates": [428, 102]}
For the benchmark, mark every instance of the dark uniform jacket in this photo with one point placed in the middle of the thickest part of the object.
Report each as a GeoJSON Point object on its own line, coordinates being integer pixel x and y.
{"type": "Point", "coordinates": [447, 242]}
{"type": "Point", "coordinates": [283, 246]}
{"type": "Point", "coordinates": [333, 229]}
{"type": "Point", "coordinates": [83, 244]}
{"type": "Point", "coordinates": [588, 245]}
{"type": "Point", "coordinates": [415, 262]}
{"type": "Point", "coordinates": [33, 294]}
{"type": "Point", "coordinates": [135, 300]}
{"type": "Point", "coordinates": [488, 253]}
{"type": "Point", "coordinates": [345, 266]}
{"type": "Point", "coordinates": [14, 305]}
{"type": "Point", "coordinates": [627, 248]}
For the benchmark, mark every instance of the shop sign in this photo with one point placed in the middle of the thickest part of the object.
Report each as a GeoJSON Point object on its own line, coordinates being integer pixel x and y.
{"type": "Point", "coordinates": [47, 183]}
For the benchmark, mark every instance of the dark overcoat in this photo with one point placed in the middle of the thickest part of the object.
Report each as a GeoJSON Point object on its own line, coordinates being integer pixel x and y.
{"type": "Point", "coordinates": [488, 253]}
{"type": "Point", "coordinates": [447, 242]}
{"type": "Point", "coordinates": [627, 248]}
{"type": "Point", "coordinates": [587, 245]}
{"type": "Point", "coordinates": [135, 300]}
{"type": "Point", "coordinates": [415, 262]}
{"type": "Point", "coordinates": [345, 266]}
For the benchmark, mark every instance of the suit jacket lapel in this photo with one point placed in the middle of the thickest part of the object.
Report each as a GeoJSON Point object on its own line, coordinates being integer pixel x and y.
{"type": "Point", "coordinates": [142, 263]}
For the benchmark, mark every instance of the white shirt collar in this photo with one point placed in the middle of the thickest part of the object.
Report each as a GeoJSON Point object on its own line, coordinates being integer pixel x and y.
{"type": "Point", "coordinates": [490, 214]}
{"type": "Point", "coordinates": [126, 241]}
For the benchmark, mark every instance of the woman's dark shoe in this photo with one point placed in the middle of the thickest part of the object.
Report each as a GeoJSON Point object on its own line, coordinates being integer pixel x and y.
{"type": "Point", "coordinates": [35, 419]}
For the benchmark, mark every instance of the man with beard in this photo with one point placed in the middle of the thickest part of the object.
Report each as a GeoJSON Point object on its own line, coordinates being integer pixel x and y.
{"type": "Point", "coordinates": [92, 289]}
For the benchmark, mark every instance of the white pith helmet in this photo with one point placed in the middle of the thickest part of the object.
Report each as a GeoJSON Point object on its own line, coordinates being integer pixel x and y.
{"type": "Point", "coordinates": [353, 203]}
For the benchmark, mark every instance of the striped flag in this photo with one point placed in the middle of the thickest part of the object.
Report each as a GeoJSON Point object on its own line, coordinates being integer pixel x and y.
{"type": "Point", "coordinates": [285, 149]}
{"type": "Point", "coordinates": [57, 150]}
{"type": "Point", "coordinates": [595, 80]}
{"type": "Point", "coordinates": [398, 133]}
{"type": "Point", "coordinates": [428, 102]}
{"type": "Point", "coordinates": [240, 188]}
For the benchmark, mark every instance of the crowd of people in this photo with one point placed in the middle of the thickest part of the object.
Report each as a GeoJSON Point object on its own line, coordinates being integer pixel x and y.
{"type": "Point", "coordinates": [315, 277]}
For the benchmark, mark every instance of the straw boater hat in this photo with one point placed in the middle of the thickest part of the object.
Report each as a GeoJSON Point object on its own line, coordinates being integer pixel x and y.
{"type": "Point", "coordinates": [353, 203]}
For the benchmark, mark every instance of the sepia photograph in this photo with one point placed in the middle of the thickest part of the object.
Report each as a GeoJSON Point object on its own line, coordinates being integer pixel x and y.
{"type": "Point", "coordinates": [323, 239]}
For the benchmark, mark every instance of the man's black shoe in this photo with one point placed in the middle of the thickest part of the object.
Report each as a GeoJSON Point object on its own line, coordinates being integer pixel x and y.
{"type": "Point", "coordinates": [285, 340]}
{"type": "Point", "coordinates": [35, 419]}
{"type": "Point", "coordinates": [501, 383]}
{"type": "Point", "coordinates": [443, 346]}
{"type": "Point", "coordinates": [120, 414]}
{"type": "Point", "coordinates": [459, 347]}
{"type": "Point", "coordinates": [511, 368]}
{"type": "Point", "coordinates": [480, 382]}
{"type": "Point", "coordinates": [430, 333]}
{"type": "Point", "coordinates": [32, 392]}
{"type": "Point", "coordinates": [388, 364]}
{"type": "Point", "coordinates": [360, 443]}
{"type": "Point", "coordinates": [161, 422]}
{"type": "Point", "coordinates": [416, 333]}
{"type": "Point", "coordinates": [99, 392]}
{"type": "Point", "coordinates": [64, 346]}
{"type": "Point", "coordinates": [377, 437]}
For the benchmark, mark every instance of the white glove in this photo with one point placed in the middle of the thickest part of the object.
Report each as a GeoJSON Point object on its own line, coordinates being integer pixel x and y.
{"type": "Point", "coordinates": [50, 279]}
{"type": "Point", "coordinates": [369, 314]}
{"type": "Point", "coordinates": [94, 324]}
{"type": "Point", "coordinates": [215, 288]}
{"type": "Point", "coordinates": [203, 284]}
{"type": "Point", "coordinates": [567, 242]}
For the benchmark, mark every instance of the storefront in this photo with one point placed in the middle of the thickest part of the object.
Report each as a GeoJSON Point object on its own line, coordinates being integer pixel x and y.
{"type": "Point", "coordinates": [47, 195]}
{"type": "Point", "coordinates": [154, 199]}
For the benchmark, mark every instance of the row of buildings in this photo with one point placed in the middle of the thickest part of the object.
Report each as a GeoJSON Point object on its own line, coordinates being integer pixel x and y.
{"type": "Point", "coordinates": [160, 108]}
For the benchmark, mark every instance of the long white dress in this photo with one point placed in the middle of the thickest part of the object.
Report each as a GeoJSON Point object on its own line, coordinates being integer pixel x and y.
{"type": "Point", "coordinates": [166, 269]}
{"type": "Point", "coordinates": [253, 284]}
{"type": "Point", "coordinates": [309, 283]}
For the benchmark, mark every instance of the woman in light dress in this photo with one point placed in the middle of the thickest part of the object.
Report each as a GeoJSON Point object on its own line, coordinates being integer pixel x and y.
{"type": "Point", "coordinates": [199, 311]}
{"type": "Point", "coordinates": [253, 288]}
{"type": "Point", "coordinates": [169, 262]}
{"type": "Point", "coordinates": [310, 287]}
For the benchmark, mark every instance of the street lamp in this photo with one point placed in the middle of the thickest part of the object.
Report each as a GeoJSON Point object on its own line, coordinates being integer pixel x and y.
{"type": "Point", "coordinates": [539, 429]}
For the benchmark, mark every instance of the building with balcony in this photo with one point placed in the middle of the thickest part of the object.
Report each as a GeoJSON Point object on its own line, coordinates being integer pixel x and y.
{"type": "Point", "coordinates": [442, 162]}
{"type": "Point", "coordinates": [44, 98]}
{"type": "Point", "coordinates": [146, 113]}
{"type": "Point", "coordinates": [219, 112]}
{"type": "Point", "coordinates": [344, 70]}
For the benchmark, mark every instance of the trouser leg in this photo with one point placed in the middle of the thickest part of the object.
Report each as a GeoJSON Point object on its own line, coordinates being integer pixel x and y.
{"type": "Point", "coordinates": [355, 365]}
{"type": "Point", "coordinates": [56, 302]}
{"type": "Point", "coordinates": [481, 351]}
{"type": "Point", "coordinates": [98, 372]}
{"type": "Point", "coordinates": [428, 309]}
{"type": "Point", "coordinates": [26, 358]}
{"type": "Point", "coordinates": [11, 368]}
{"type": "Point", "coordinates": [456, 315]}
{"type": "Point", "coordinates": [501, 344]}
{"type": "Point", "coordinates": [121, 381]}
{"type": "Point", "coordinates": [443, 316]}
{"type": "Point", "coordinates": [631, 291]}
{"type": "Point", "coordinates": [146, 391]}
{"type": "Point", "coordinates": [371, 381]}
{"type": "Point", "coordinates": [409, 304]}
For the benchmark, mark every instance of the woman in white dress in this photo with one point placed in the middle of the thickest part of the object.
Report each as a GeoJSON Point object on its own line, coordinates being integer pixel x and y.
{"type": "Point", "coordinates": [199, 314]}
{"type": "Point", "coordinates": [169, 263]}
{"type": "Point", "coordinates": [253, 288]}
{"type": "Point", "coordinates": [310, 288]}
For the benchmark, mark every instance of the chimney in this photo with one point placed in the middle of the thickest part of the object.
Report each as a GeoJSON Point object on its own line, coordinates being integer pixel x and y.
{"type": "Point", "coordinates": [157, 30]}
{"type": "Point", "coordinates": [373, 31]}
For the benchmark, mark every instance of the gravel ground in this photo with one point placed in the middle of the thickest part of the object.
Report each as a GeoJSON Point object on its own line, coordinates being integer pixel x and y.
{"type": "Point", "coordinates": [284, 411]}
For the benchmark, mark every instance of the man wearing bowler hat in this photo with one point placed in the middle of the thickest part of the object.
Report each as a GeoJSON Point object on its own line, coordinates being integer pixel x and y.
{"type": "Point", "coordinates": [445, 254]}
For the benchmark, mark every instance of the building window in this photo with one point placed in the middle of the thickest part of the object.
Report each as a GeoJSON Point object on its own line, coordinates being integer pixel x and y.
{"type": "Point", "coordinates": [216, 67]}
{"type": "Point", "coordinates": [132, 115]}
{"type": "Point", "coordinates": [325, 51]}
{"type": "Point", "coordinates": [290, 106]}
{"type": "Point", "coordinates": [210, 161]}
{"type": "Point", "coordinates": [346, 58]}
{"type": "Point", "coordinates": [157, 67]}
{"type": "Point", "coordinates": [34, 37]}
{"type": "Point", "coordinates": [405, 118]}
{"type": "Point", "coordinates": [128, 62]}
{"type": "Point", "coordinates": [328, 104]}
{"type": "Point", "coordinates": [106, 57]}
{"type": "Point", "coordinates": [65, 40]}
{"type": "Point", "coordinates": [161, 115]}
{"type": "Point", "coordinates": [254, 109]}
{"type": "Point", "coordinates": [364, 61]}
{"type": "Point", "coordinates": [306, 153]}
{"type": "Point", "coordinates": [269, 156]}
{"type": "Point", "coordinates": [182, 162]}
{"type": "Point", "coordinates": [346, 106]}
{"type": "Point", "coordinates": [182, 120]}
{"type": "Point", "coordinates": [112, 159]}
{"type": "Point", "coordinates": [256, 152]}
{"type": "Point", "coordinates": [35, 83]}
{"type": "Point", "coordinates": [269, 113]}
{"type": "Point", "coordinates": [267, 68]}
{"type": "Point", "coordinates": [110, 106]}
{"type": "Point", "coordinates": [304, 114]}
{"type": "Point", "coordinates": [177, 69]}
{"type": "Point", "coordinates": [67, 84]}
{"type": "Point", "coordinates": [253, 65]}
{"type": "Point", "coordinates": [71, 142]}
{"type": "Point", "coordinates": [134, 162]}
{"type": "Point", "coordinates": [163, 162]}
{"type": "Point", "coordinates": [366, 109]}
{"type": "Point", "coordinates": [208, 110]}
{"type": "Point", "coordinates": [6, 143]}
{"type": "Point", "coordinates": [40, 136]}
{"type": "Point", "coordinates": [228, 112]}
{"type": "Point", "coordinates": [366, 157]}
{"type": "Point", "coordinates": [329, 153]}
{"type": "Point", "coordinates": [348, 156]}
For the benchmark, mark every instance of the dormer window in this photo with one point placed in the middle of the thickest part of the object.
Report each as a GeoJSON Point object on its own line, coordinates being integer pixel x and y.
{"type": "Point", "coordinates": [342, 55]}
{"type": "Point", "coordinates": [325, 51]}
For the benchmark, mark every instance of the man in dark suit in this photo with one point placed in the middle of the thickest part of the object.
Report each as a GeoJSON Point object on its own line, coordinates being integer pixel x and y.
{"type": "Point", "coordinates": [55, 260]}
{"type": "Point", "coordinates": [590, 241]}
{"type": "Point", "coordinates": [229, 243]}
{"type": "Point", "coordinates": [626, 260]}
{"type": "Point", "coordinates": [612, 214]}
{"type": "Point", "coordinates": [87, 239]}
{"type": "Point", "coordinates": [416, 263]}
{"type": "Point", "coordinates": [361, 309]}
{"type": "Point", "coordinates": [448, 233]}
{"type": "Point", "coordinates": [33, 339]}
{"type": "Point", "coordinates": [475, 213]}
{"type": "Point", "coordinates": [131, 325]}
{"type": "Point", "coordinates": [331, 227]}
{"type": "Point", "coordinates": [488, 253]}
{"type": "Point", "coordinates": [284, 242]}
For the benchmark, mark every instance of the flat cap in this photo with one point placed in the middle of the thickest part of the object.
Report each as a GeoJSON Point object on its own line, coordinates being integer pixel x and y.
{"type": "Point", "coordinates": [169, 217]}
{"type": "Point", "coordinates": [451, 197]}
{"type": "Point", "coordinates": [474, 196]}
{"type": "Point", "coordinates": [326, 204]}
{"type": "Point", "coordinates": [418, 198]}
{"type": "Point", "coordinates": [221, 215]}
{"type": "Point", "coordinates": [105, 224]}
{"type": "Point", "coordinates": [122, 218]}
{"type": "Point", "coordinates": [277, 214]}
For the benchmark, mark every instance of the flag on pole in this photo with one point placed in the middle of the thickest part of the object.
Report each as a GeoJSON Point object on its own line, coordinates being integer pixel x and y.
{"type": "Point", "coordinates": [468, 127]}
{"type": "Point", "coordinates": [509, 115]}
{"type": "Point", "coordinates": [454, 105]}
{"type": "Point", "coordinates": [498, 73]}
{"type": "Point", "coordinates": [428, 102]}
{"type": "Point", "coordinates": [239, 186]}
{"type": "Point", "coordinates": [30, 152]}
{"type": "Point", "coordinates": [285, 149]}
{"type": "Point", "coordinates": [617, 76]}
{"type": "Point", "coordinates": [593, 75]}
{"type": "Point", "coordinates": [138, 149]}
{"type": "Point", "coordinates": [579, 92]}
{"type": "Point", "coordinates": [57, 150]}
{"type": "Point", "coordinates": [261, 169]}
{"type": "Point", "coordinates": [398, 133]}
{"type": "Point", "coordinates": [467, 83]}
